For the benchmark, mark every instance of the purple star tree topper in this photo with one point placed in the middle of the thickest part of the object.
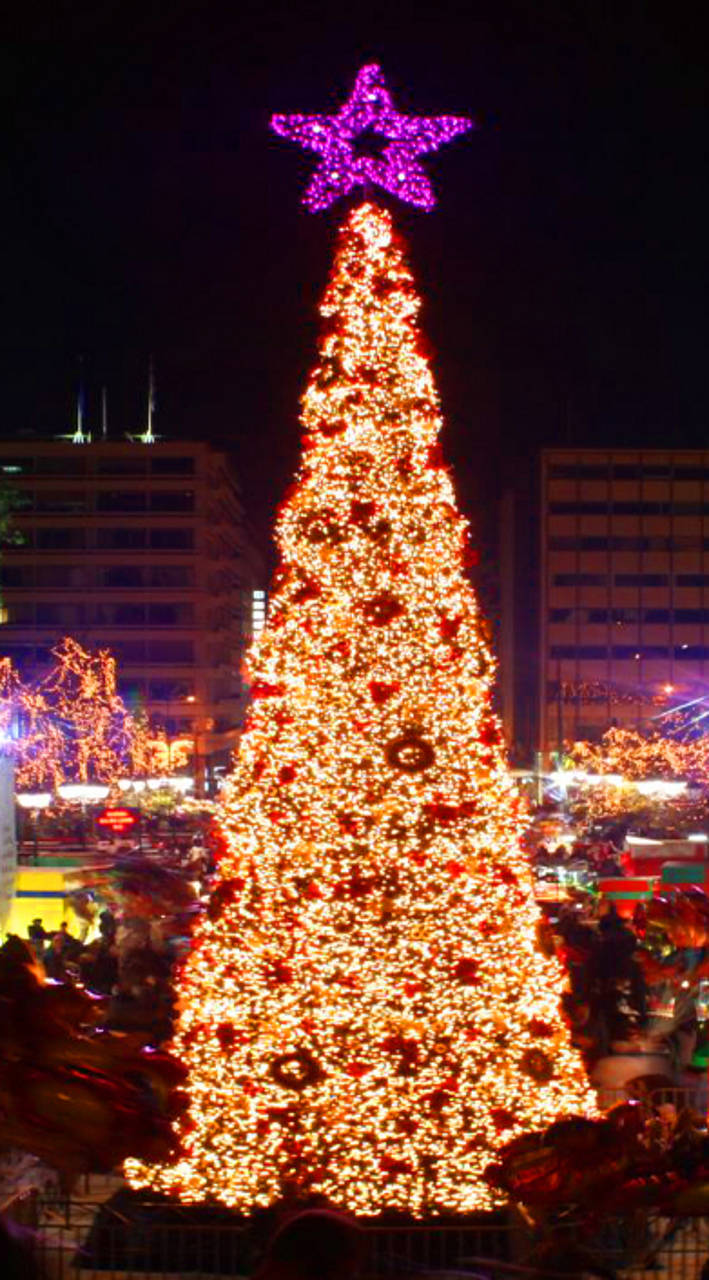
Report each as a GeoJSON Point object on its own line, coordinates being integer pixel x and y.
{"type": "Point", "coordinates": [369, 113]}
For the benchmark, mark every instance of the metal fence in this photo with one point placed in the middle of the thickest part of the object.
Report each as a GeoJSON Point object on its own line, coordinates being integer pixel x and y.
{"type": "Point", "coordinates": [694, 1096]}
{"type": "Point", "coordinates": [74, 1245]}
{"type": "Point", "coordinates": [131, 1239]}
{"type": "Point", "coordinates": [77, 1242]}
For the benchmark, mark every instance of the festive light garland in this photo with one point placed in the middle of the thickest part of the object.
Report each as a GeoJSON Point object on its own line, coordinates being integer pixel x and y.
{"type": "Point", "coordinates": [591, 691]}
{"type": "Point", "coordinates": [71, 726]}
{"type": "Point", "coordinates": [366, 1014]}
{"type": "Point", "coordinates": [167, 755]}
{"type": "Point", "coordinates": [653, 754]}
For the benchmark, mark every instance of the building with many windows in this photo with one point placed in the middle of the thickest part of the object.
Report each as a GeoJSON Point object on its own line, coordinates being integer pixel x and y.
{"type": "Point", "coordinates": [143, 549]}
{"type": "Point", "coordinates": [624, 601]}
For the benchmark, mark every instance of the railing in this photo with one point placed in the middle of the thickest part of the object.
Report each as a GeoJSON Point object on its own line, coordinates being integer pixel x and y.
{"type": "Point", "coordinates": [92, 1238]}
{"type": "Point", "coordinates": [149, 1241]}
{"type": "Point", "coordinates": [693, 1096]}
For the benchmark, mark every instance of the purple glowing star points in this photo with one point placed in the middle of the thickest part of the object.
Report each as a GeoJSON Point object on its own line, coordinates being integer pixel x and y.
{"type": "Point", "coordinates": [369, 111]}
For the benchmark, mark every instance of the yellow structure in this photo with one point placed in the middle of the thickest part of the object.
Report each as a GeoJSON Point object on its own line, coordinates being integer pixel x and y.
{"type": "Point", "coordinates": [39, 891]}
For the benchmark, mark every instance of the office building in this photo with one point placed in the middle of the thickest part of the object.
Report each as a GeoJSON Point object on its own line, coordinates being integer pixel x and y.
{"type": "Point", "coordinates": [143, 549]}
{"type": "Point", "coordinates": [624, 600]}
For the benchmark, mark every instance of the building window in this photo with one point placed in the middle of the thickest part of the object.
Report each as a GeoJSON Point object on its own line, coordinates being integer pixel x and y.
{"type": "Point", "coordinates": [692, 579]}
{"type": "Point", "coordinates": [578, 508]}
{"type": "Point", "coordinates": [172, 539]}
{"type": "Point", "coordinates": [135, 466]}
{"type": "Point", "coordinates": [121, 500]}
{"type": "Point", "coordinates": [258, 612]}
{"type": "Point", "coordinates": [72, 464]}
{"type": "Point", "coordinates": [691, 473]}
{"type": "Point", "coordinates": [66, 503]}
{"type": "Point", "coordinates": [575, 652]}
{"type": "Point", "coordinates": [19, 613]}
{"type": "Point", "coordinates": [60, 539]}
{"type": "Point", "coordinates": [172, 466]}
{"type": "Point", "coordinates": [691, 615]}
{"type": "Point", "coordinates": [629, 508]}
{"type": "Point", "coordinates": [122, 575]}
{"type": "Point", "coordinates": [580, 580]}
{"type": "Point", "coordinates": [619, 652]}
{"type": "Point", "coordinates": [641, 579]}
{"type": "Point", "coordinates": [623, 471]}
{"type": "Point", "coordinates": [128, 651]}
{"type": "Point", "coordinates": [170, 690]}
{"type": "Point", "coordinates": [168, 651]}
{"type": "Point", "coordinates": [15, 575]}
{"type": "Point", "coordinates": [580, 471]}
{"type": "Point", "coordinates": [619, 543]}
{"type": "Point", "coordinates": [172, 500]}
{"type": "Point", "coordinates": [171, 575]}
{"type": "Point", "coordinates": [624, 652]}
{"type": "Point", "coordinates": [125, 615]}
{"type": "Point", "coordinates": [63, 575]}
{"type": "Point", "coordinates": [57, 614]}
{"type": "Point", "coordinates": [171, 615]}
{"type": "Point", "coordinates": [121, 539]}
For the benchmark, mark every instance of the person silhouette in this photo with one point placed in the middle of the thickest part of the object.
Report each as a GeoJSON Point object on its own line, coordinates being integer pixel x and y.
{"type": "Point", "coordinates": [317, 1244]}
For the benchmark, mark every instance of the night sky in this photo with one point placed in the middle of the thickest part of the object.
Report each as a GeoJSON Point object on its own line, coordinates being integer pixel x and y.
{"type": "Point", "coordinates": [147, 208]}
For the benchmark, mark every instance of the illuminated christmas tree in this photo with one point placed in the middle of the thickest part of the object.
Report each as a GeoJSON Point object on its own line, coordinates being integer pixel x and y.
{"type": "Point", "coordinates": [366, 1013]}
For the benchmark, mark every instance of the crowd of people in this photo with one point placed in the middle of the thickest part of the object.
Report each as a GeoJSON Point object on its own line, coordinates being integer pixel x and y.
{"type": "Point", "coordinates": [129, 964]}
{"type": "Point", "coordinates": [127, 954]}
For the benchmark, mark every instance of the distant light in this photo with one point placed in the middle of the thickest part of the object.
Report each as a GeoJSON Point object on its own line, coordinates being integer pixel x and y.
{"type": "Point", "coordinates": [190, 698]}
{"type": "Point", "coordinates": [33, 799]}
{"type": "Point", "coordinates": [698, 837]}
{"type": "Point", "coordinates": [84, 792]}
{"type": "Point", "coordinates": [570, 777]}
{"type": "Point", "coordinates": [258, 612]}
{"type": "Point", "coordinates": [637, 656]}
{"type": "Point", "coordinates": [668, 688]}
{"type": "Point", "coordinates": [174, 784]}
{"type": "Point", "coordinates": [660, 787]}
{"type": "Point", "coordinates": [684, 646]}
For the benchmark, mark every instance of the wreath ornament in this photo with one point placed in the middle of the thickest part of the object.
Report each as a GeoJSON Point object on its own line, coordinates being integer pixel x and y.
{"type": "Point", "coordinates": [295, 1070]}
{"type": "Point", "coordinates": [410, 753]}
{"type": "Point", "coordinates": [538, 1065]}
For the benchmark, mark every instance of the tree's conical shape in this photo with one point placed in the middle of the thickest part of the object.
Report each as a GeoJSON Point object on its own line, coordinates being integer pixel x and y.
{"type": "Point", "coordinates": [366, 1014]}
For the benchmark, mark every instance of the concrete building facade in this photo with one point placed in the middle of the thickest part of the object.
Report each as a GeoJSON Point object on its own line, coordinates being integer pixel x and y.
{"type": "Point", "coordinates": [142, 549]}
{"type": "Point", "coordinates": [624, 599]}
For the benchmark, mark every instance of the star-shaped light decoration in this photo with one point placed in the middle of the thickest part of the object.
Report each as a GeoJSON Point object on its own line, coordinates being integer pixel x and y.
{"type": "Point", "coordinates": [369, 116]}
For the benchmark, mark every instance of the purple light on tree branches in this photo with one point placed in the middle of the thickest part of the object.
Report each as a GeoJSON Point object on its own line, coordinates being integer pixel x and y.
{"type": "Point", "coordinates": [369, 117]}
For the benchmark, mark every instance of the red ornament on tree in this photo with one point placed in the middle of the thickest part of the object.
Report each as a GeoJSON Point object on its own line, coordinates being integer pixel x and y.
{"type": "Point", "coordinates": [382, 609]}
{"type": "Point", "coordinates": [466, 972]}
{"type": "Point", "coordinates": [381, 690]}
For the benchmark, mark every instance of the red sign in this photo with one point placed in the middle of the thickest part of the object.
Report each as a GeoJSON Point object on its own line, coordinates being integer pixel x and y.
{"type": "Point", "coordinates": [118, 820]}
